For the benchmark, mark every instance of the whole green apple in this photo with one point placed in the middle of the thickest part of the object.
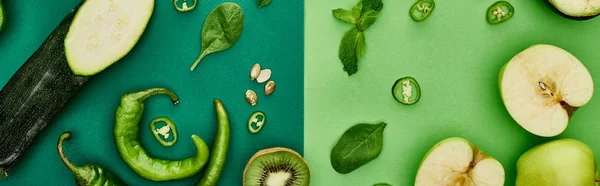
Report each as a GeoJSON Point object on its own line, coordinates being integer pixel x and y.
{"type": "Point", "coordinates": [563, 162]}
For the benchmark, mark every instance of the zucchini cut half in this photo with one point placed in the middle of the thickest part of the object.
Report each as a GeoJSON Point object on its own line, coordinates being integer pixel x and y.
{"type": "Point", "coordinates": [577, 9]}
{"type": "Point", "coordinates": [103, 32]}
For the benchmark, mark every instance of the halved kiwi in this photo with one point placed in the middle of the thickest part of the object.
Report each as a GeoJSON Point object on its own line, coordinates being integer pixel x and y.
{"type": "Point", "coordinates": [276, 167]}
{"type": "Point", "coordinates": [577, 9]}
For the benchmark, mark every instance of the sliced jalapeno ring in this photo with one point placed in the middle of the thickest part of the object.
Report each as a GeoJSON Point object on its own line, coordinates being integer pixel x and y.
{"type": "Point", "coordinates": [406, 90]}
{"type": "Point", "coordinates": [259, 119]}
{"type": "Point", "coordinates": [184, 7]}
{"type": "Point", "coordinates": [421, 10]}
{"type": "Point", "coordinates": [164, 131]}
{"type": "Point", "coordinates": [500, 12]}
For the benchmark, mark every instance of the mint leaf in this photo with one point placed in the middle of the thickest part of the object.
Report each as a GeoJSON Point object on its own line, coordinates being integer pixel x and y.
{"type": "Point", "coordinates": [351, 48]}
{"type": "Point", "coordinates": [344, 15]}
{"type": "Point", "coordinates": [361, 46]}
{"type": "Point", "coordinates": [358, 146]}
{"type": "Point", "coordinates": [368, 5]}
{"type": "Point", "coordinates": [367, 20]}
{"type": "Point", "coordinates": [357, 10]}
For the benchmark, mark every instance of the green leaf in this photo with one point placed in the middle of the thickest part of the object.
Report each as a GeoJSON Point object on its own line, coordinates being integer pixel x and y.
{"type": "Point", "coordinates": [263, 3]}
{"type": "Point", "coordinates": [348, 50]}
{"type": "Point", "coordinates": [368, 5]}
{"type": "Point", "coordinates": [367, 20]}
{"type": "Point", "coordinates": [358, 145]}
{"type": "Point", "coordinates": [344, 15]}
{"type": "Point", "coordinates": [361, 46]}
{"type": "Point", "coordinates": [357, 10]}
{"type": "Point", "coordinates": [382, 184]}
{"type": "Point", "coordinates": [222, 28]}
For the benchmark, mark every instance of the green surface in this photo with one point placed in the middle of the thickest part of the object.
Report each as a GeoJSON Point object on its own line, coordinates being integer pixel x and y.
{"type": "Point", "coordinates": [455, 55]}
{"type": "Point", "coordinates": [273, 36]}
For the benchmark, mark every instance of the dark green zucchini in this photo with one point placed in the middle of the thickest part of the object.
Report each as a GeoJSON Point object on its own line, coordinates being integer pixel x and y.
{"type": "Point", "coordinates": [2, 16]}
{"type": "Point", "coordinates": [35, 95]}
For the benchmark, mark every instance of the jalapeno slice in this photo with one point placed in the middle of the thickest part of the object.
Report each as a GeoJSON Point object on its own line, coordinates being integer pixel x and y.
{"type": "Point", "coordinates": [499, 12]}
{"type": "Point", "coordinates": [162, 134]}
{"type": "Point", "coordinates": [259, 119]}
{"type": "Point", "coordinates": [406, 90]}
{"type": "Point", "coordinates": [421, 10]}
{"type": "Point", "coordinates": [184, 7]}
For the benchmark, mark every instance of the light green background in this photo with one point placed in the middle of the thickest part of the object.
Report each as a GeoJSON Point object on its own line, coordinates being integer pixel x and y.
{"type": "Point", "coordinates": [273, 37]}
{"type": "Point", "coordinates": [456, 56]}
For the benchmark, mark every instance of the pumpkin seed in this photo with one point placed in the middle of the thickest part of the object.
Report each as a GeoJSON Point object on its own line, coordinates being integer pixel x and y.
{"type": "Point", "coordinates": [264, 76]}
{"type": "Point", "coordinates": [254, 72]}
{"type": "Point", "coordinates": [251, 97]}
{"type": "Point", "coordinates": [269, 88]}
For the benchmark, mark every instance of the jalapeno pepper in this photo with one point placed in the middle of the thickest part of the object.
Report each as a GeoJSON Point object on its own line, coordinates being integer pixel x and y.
{"type": "Point", "coordinates": [499, 12]}
{"type": "Point", "coordinates": [407, 96]}
{"type": "Point", "coordinates": [219, 152]}
{"type": "Point", "coordinates": [89, 175]}
{"type": "Point", "coordinates": [421, 10]}
{"type": "Point", "coordinates": [259, 118]}
{"type": "Point", "coordinates": [130, 149]}
{"type": "Point", "coordinates": [184, 7]}
{"type": "Point", "coordinates": [164, 131]}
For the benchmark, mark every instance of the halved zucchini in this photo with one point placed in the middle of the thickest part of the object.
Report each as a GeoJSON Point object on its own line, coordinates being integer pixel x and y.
{"type": "Point", "coordinates": [103, 32]}
{"type": "Point", "coordinates": [577, 9]}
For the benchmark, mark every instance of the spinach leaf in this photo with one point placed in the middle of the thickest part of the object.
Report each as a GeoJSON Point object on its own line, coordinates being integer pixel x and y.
{"type": "Point", "coordinates": [263, 3]}
{"type": "Point", "coordinates": [382, 184]}
{"type": "Point", "coordinates": [222, 29]}
{"type": "Point", "coordinates": [344, 15]}
{"type": "Point", "coordinates": [352, 47]}
{"type": "Point", "coordinates": [358, 145]}
{"type": "Point", "coordinates": [366, 20]}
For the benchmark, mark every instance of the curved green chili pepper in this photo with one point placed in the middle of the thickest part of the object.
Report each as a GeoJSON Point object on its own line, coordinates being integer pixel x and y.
{"type": "Point", "coordinates": [406, 84]}
{"type": "Point", "coordinates": [421, 10]}
{"type": "Point", "coordinates": [184, 7]}
{"type": "Point", "coordinates": [496, 14]}
{"type": "Point", "coordinates": [219, 152]}
{"type": "Point", "coordinates": [126, 131]}
{"type": "Point", "coordinates": [91, 175]}
{"type": "Point", "coordinates": [170, 126]}
{"type": "Point", "coordinates": [255, 119]}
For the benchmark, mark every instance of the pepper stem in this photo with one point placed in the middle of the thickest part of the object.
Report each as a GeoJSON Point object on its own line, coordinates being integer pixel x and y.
{"type": "Point", "coordinates": [141, 96]}
{"type": "Point", "coordinates": [65, 136]}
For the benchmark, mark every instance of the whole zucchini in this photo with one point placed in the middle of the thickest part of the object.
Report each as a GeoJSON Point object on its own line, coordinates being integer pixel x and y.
{"type": "Point", "coordinates": [37, 92]}
{"type": "Point", "coordinates": [96, 34]}
{"type": "Point", "coordinates": [2, 17]}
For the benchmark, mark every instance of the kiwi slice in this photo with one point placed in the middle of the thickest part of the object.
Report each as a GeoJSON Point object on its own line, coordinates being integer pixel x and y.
{"type": "Point", "coordinates": [276, 167]}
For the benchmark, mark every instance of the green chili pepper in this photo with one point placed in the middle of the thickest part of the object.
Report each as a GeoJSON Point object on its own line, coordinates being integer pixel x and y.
{"type": "Point", "coordinates": [421, 10]}
{"type": "Point", "coordinates": [406, 85]}
{"type": "Point", "coordinates": [170, 126]}
{"type": "Point", "coordinates": [259, 118]}
{"type": "Point", "coordinates": [126, 131]}
{"type": "Point", "coordinates": [91, 175]}
{"type": "Point", "coordinates": [219, 152]}
{"type": "Point", "coordinates": [184, 7]}
{"type": "Point", "coordinates": [499, 12]}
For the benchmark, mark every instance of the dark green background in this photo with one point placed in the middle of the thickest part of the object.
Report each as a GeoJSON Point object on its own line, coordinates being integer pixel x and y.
{"type": "Point", "coordinates": [273, 36]}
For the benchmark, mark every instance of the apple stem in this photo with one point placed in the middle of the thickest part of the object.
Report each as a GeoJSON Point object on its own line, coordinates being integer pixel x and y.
{"type": "Point", "coordinates": [597, 180]}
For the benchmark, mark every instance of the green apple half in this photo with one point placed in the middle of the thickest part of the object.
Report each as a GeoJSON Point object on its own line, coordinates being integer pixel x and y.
{"type": "Point", "coordinates": [457, 162]}
{"type": "Point", "coordinates": [542, 87]}
{"type": "Point", "coordinates": [562, 162]}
